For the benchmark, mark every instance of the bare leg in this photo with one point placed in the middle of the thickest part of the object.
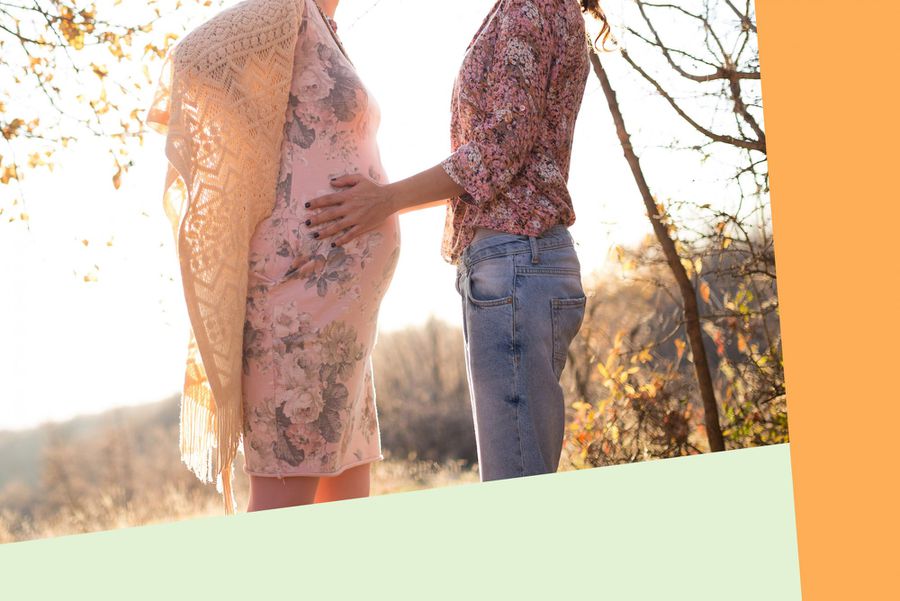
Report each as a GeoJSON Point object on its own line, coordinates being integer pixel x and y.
{"type": "Point", "coordinates": [274, 493]}
{"type": "Point", "coordinates": [351, 484]}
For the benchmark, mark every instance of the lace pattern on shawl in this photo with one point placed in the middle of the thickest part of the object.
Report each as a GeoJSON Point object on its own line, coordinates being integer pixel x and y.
{"type": "Point", "coordinates": [221, 102]}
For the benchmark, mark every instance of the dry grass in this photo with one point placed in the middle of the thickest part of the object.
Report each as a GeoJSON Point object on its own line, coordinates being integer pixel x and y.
{"type": "Point", "coordinates": [176, 501]}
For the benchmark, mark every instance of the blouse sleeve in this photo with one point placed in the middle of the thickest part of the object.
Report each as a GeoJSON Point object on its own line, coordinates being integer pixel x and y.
{"type": "Point", "coordinates": [497, 149]}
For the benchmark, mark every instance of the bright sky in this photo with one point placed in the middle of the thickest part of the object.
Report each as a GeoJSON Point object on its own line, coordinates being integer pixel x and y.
{"type": "Point", "coordinates": [68, 347]}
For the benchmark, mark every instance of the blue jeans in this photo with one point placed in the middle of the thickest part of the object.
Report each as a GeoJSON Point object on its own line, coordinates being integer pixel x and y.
{"type": "Point", "coordinates": [523, 303]}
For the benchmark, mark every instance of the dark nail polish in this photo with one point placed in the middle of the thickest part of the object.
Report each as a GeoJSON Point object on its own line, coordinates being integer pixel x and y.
{"type": "Point", "coordinates": [316, 235]}
{"type": "Point", "coordinates": [308, 222]}
{"type": "Point", "coordinates": [333, 245]}
{"type": "Point", "coordinates": [306, 205]}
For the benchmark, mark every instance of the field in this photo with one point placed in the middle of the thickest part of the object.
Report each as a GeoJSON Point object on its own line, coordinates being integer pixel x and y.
{"type": "Point", "coordinates": [165, 502]}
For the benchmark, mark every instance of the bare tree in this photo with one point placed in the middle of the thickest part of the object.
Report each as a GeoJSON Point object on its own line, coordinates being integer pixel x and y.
{"type": "Point", "coordinates": [661, 227]}
{"type": "Point", "coordinates": [701, 57]}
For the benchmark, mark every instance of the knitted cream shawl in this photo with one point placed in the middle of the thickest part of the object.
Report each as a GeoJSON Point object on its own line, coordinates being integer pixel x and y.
{"type": "Point", "coordinates": [221, 102]}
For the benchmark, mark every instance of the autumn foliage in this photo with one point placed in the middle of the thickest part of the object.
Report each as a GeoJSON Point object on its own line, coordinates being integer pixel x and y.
{"type": "Point", "coordinates": [72, 69]}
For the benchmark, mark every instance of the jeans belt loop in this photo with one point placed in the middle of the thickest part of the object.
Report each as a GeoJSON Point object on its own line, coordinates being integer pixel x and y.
{"type": "Point", "coordinates": [535, 253]}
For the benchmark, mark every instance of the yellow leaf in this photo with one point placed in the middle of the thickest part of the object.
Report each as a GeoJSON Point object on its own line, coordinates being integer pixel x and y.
{"type": "Point", "coordinates": [726, 242]}
{"type": "Point", "coordinates": [99, 70]}
{"type": "Point", "coordinates": [9, 173]}
{"type": "Point", "coordinates": [704, 292]}
{"type": "Point", "coordinates": [680, 345]}
{"type": "Point", "coordinates": [698, 265]}
{"type": "Point", "coordinates": [688, 266]}
{"type": "Point", "coordinates": [610, 361]}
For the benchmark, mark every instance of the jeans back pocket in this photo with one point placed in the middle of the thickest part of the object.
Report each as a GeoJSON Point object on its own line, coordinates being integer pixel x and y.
{"type": "Point", "coordinates": [567, 315]}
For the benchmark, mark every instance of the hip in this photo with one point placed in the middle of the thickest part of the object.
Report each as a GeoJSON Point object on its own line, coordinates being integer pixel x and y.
{"type": "Point", "coordinates": [501, 268]}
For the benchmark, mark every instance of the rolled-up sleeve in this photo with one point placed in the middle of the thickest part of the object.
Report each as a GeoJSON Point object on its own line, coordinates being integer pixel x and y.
{"type": "Point", "coordinates": [496, 149]}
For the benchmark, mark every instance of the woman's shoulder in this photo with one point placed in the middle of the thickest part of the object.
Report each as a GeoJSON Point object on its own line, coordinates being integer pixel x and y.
{"type": "Point", "coordinates": [238, 29]}
{"type": "Point", "coordinates": [567, 8]}
{"type": "Point", "coordinates": [556, 17]}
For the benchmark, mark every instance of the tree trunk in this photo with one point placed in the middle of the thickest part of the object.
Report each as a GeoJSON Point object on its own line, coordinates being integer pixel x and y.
{"type": "Point", "coordinates": [688, 293]}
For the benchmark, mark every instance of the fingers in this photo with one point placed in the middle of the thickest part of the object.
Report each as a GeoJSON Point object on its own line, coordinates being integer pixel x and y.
{"type": "Point", "coordinates": [335, 227]}
{"type": "Point", "coordinates": [307, 268]}
{"type": "Point", "coordinates": [346, 181]}
{"type": "Point", "coordinates": [350, 235]}
{"type": "Point", "coordinates": [328, 200]}
{"type": "Point", "coordinates": [326, 216]}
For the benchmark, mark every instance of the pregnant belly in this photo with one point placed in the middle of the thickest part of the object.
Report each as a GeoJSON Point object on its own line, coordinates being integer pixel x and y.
{"type": "Point", "coordinates": [311, 179]}
{"type": "Point", "coordinates": [283, 244]}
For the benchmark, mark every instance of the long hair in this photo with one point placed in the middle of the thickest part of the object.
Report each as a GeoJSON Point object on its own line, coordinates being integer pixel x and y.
{"type": "Point", "coordinates": [593, 8]}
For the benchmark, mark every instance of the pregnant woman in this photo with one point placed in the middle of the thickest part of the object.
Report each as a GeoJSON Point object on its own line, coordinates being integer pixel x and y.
{"type": "Point", "coordinates": [298, 370]}
{"type": "Point", "coordinates": [514, 108]}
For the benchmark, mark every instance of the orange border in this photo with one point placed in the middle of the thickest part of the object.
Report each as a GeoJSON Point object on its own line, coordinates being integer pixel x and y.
{"type": "Point", "coordinates": [829, 71]}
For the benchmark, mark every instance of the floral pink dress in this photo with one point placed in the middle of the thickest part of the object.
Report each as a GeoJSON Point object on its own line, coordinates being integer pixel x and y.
{"type": "Point", "coordinates": [309, 398]}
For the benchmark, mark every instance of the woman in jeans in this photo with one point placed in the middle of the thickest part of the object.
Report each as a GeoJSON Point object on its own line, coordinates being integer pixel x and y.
{"type": "Point", "coordinates": [514, 108]}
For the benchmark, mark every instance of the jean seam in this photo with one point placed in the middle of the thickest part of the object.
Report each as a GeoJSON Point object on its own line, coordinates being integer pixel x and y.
{"type": "Point", "coordinates": [516, 380]}
{"type": "Point", "coordinates": [554, 336]}
{"type": "Point", "coordinates": [469, 261]}
{"type": "Point", "coordinates": [557, 271]}
{"type": "Point", "coordinates": [519, 438]}
{"type": "Point", "coordinates": [565, 303]}
{"type": "Point", "coordinates": [489, 304]}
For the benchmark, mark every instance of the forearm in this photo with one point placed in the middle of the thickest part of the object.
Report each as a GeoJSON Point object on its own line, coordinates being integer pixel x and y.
{"type": "Point", "coordinates": [428, 188]}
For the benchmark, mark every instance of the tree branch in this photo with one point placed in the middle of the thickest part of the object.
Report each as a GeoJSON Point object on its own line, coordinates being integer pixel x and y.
{"type": "Point", "coordinates": [745, 18]}
{"type": "Point", "coordinates": [719, 73]}
{"type": "Point", "coordinates": [757, 145]}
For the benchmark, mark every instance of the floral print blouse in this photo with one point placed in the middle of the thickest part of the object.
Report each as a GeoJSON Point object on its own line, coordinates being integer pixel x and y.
{"type": "Point", "coordinates": [513, 114]}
